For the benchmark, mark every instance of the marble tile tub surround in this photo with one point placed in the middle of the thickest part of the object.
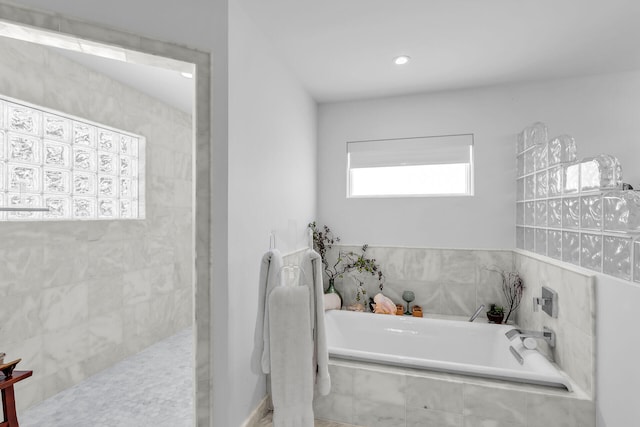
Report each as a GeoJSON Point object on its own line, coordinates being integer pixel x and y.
{"type": "Point", "coordinates": [378, 396]}
{"type": "Point", "coordinates": [445, 281]}
{"type": "Point", "coordinates": [79, 296]}
{"type": "Point", "coordinates": [575, 325]}
{"type": "Point", "coordinates": [456, 281]}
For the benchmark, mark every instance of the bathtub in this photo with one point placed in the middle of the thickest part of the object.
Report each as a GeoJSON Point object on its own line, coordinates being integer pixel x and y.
{"type": "Point", "coordinates": [477, 349]}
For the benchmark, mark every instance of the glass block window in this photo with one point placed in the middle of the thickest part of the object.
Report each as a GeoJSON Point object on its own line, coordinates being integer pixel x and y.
{"type": "Point", "coordinates": [78, 169]}
{"type": "Point", "coordinates": [574, 210]}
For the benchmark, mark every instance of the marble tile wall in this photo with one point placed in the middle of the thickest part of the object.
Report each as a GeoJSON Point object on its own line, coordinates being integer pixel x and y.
{"type": "Point", "coordinates": [377, 396]}
{"type": "Point", "coordinates": [444, 281]}
{"type": "Point", "coordinates": [456, 281]}
{"type": "Point", "coordinates": [575, 326]}
{"type": "Point", "coordinates": [75, 297]}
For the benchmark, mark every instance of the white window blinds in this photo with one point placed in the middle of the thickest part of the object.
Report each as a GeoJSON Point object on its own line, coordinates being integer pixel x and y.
{"type": "Point", "coordinates": [438, 165]}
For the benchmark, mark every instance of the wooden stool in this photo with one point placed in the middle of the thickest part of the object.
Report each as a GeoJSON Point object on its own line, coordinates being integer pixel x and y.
{"type": "Point", "coordinates": [9, 398]}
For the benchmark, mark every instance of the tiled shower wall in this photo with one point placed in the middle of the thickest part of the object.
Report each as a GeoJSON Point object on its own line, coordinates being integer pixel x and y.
{"type": "Point", "coordinates": [575, 325]}
{"type": "Point", "coordinates": [75, 297]}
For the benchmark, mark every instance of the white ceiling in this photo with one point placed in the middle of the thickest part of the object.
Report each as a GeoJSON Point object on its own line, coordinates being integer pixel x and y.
{"type": "Point", "coordinates": [343, 49]}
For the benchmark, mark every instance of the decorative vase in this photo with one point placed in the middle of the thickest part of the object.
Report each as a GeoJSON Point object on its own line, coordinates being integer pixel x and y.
{"type": "Point", "coordinates": [408, 296]}
{"type": "Point", "coordinates": [332, 290]}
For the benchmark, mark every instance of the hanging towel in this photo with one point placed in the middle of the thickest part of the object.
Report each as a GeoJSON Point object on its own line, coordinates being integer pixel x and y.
{"type": "Point", "coordinates": [313, 262]}
{"type": "Point", "coordinates": [269, 280]}
{"type": "Point", "coordinates": [291, 357]}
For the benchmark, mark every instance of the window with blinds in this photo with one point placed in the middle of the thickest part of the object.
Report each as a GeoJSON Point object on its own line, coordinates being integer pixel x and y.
{"type": "Point", "coordinates": [411, 167]}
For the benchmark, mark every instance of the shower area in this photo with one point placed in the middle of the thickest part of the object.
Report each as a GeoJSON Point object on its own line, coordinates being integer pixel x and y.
{"type": "Point", "coordinates": [98, 289]}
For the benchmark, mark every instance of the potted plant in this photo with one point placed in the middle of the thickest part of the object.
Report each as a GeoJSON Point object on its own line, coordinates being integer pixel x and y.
{"type": "Point", "coordinates": [345, 262]}
{"type": "Point", "coordinates": [362, 264]}
{"type": "Point", "coordinates": [323, 241]}
{"type": "Point", "coordinates": [512, 288]}
{"type": "Point", "coordinates": [495, 314]}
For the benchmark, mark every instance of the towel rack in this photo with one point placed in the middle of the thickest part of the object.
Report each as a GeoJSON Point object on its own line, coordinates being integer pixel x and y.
{"type": "Point", "coordinates": [290, 274]}
{"type": "Point", "coordinates": [310, 237]}
{"type": "Point", "coordinates": [2, 209]}
{"type": "Point", "coordinates": [22, 208]}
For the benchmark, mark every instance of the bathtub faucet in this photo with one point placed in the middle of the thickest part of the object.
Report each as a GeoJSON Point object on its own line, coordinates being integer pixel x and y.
{"type": "Point", "coordinates": [547, 334]}
{"type": "Point", "coordinates": [477, 313]}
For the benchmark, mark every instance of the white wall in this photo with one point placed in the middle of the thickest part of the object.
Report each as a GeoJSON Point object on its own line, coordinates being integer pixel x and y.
{"type": "Point", "coordinates": [601, 112]}
{"type": "Point", "coordinates": [617, 347]}
{"type": "Point", "coordinates": [272, 186]}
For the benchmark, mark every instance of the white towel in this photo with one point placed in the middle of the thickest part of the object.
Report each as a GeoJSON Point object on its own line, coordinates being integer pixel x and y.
{"type": "Point", "coordinates": [269, 280]}
{"type": "Point", "coordinates": [291, 357]}
{"type": "Point", "coordinates": [313, 262]}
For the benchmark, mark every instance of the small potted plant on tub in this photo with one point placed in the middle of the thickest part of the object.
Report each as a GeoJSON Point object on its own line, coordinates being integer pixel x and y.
{"type": "Point", "coordinates": [495, 314]}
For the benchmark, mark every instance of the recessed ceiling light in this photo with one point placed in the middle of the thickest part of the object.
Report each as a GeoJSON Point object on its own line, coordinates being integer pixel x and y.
{"type": "Point", "coordinates": [187, 75]}
{"type": "Point", "coordinates": [401, 60]}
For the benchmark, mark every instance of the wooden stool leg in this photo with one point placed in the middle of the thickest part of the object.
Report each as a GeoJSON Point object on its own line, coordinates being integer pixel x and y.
{"type": "Point", "coordinates": [9, 407]}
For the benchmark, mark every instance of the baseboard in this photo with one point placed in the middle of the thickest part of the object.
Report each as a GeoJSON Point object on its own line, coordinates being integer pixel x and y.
{"type": "Point", "coordinates": [258, 413]}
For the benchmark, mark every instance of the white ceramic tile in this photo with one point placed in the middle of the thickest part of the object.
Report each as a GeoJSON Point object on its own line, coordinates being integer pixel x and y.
{"type": "Point", "coordinates": [472, 421]}
{"type": "Point", "coordinates": [105, 332]}
{"type": "Point", "coordinates": [458, 299]}
{"type": "Point", "coordinates": [372, 414]}
{"type": "Point", "coordinates": [104, 295]}
{"type": "Point", "coordinates": [422, 264]}
{"type": "Point", "coordinates": [545, 411]}
{"type": "Point", "coordinates": [420, 417]}
{"type": "Point", "coordinates": [584, 413]}
{"type": "Point", "coordinates": [30, 393]}
{"type": "Point", "coordinates": [458, 266]}
{"type": "Point", "coordinates": [20, 316]}
{"type": "Point", "coordinates": [63, 306]}
{"type": "Point", "coordinates": [577, 301]}
{"type": "Point", "coordinates": [65, 347]}
{"type": "Point", "coordinates": [341, 379]}
{"type": "Point", "coordinates": [380, 387]}
{"type": "Point", "coordinates": [430, 394]}
{"type": "Point", "coordinates": [579, 352]}
{"type": "Point", "coordinates": [136, 286]}
{"type": "Point", "coordinates": [499, 404]}
{"type": "Point", "coordinates": [334, 407]}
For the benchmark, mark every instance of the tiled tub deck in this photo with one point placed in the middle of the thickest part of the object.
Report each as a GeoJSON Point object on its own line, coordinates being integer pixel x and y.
{"type": "Point", "coordinates": [375, 395]}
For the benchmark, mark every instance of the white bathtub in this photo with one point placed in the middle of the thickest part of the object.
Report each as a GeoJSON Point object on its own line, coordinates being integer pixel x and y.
{"type": "Point", "coordinates": [478, 349]}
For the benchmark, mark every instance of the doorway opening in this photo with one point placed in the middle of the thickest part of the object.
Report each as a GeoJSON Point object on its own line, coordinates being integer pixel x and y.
{"type": "Point", "coordinates": [88, 296]}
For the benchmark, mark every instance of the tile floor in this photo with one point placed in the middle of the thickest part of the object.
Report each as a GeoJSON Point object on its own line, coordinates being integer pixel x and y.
{"type": "Point", "coordinates": [266, 422]}
{"type": "Point", "coordinates": [153, 388]}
